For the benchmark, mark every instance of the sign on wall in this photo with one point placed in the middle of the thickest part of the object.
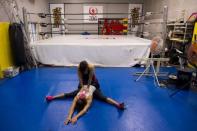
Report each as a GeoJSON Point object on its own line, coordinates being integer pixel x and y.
{"type": "Point", "coordinates": [92, 13]}
{"type": "Point", "coordinates": [113, 26]}
{"type": "Point", "coordinates": [135, 11]}
{"type": "Point", "coordinates": [57, 18]}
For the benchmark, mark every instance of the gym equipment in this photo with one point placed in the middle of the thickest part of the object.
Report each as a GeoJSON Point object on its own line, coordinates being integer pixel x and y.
{"type": "Point", "coordinates": [140, 21]}
{"type": "Point", "coordinates": [187, 77]}
{"type": "Point", "coordinates": [156, 48]}
{"type": "Point", "coordinates": [18, 29]}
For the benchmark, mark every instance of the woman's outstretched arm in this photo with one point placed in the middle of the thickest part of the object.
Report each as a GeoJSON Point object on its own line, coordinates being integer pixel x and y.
{"type": "Point", "coordinates": [72, 108]}
{"type": "Point", "coordinates": [80, 77]}
{"type": "Point", "coordinates": [90, 75]}
{"type": "Point", "coordinates": [83, 111]}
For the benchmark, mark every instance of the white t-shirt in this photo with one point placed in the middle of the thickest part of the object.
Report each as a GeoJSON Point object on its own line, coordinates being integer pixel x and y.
{"type": "Point", "coordinates": [87, 91]}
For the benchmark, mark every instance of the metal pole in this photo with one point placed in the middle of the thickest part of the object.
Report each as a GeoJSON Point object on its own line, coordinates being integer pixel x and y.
{"type": "Point", "coordinates": [30, 56]}
{"type": "Point", "coordinates": [25, 23]}
{"type": "Point", "coordinates": [100, 3]}
{"type": "Point", "coordinates": [164, 28]}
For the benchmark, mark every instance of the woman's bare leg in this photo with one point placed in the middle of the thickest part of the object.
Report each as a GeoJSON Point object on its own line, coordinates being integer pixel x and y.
{"type": "Point", "coordinates": [63, 95]}
{"type": "Point", "coordinates": [60, 96]}
{"type": "Point", "coordinates": [111, 101]}
{"type": "Point", "coordinates": [99, 95]}
{"type": "Point", "coordinates": [115, 103]}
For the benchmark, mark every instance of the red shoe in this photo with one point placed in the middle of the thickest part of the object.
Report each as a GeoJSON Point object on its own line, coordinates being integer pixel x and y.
{"type": "Point", "coordinates": [121, 106]}
{"type": "Point", "coordinates": [49, 98]}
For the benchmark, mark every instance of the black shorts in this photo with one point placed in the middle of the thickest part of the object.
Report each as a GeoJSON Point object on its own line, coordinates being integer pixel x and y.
{"type": "Point", "coordinates": [99, 95]}
{"type": "Point", "coordinates": [71, 94]}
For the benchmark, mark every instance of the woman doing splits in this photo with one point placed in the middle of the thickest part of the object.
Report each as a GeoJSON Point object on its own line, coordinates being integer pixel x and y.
{"type": "Point", "coordinates": [88, 89]}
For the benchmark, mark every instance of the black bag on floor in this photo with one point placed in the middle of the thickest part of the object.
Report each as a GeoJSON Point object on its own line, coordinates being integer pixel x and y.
{"type": "Point", "coordinates": [184, 78]}
{"type": "Point", "coordinates": [17, 44]}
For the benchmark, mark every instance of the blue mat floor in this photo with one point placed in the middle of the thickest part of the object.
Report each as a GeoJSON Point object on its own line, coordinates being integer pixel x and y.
{"type": "Point", "coordinates": [149, 108]}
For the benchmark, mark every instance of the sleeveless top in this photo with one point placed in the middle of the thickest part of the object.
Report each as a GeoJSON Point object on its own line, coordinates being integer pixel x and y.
{"type": "Point", "coordinates": [94, 82]}
{"type": "Point", "coordinates": [86, 91]}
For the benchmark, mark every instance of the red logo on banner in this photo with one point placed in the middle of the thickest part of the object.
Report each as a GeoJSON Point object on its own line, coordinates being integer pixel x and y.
{"type": "Point", "coordinates": [93, 11]}
{"type": "Point", "coordinates": [113, 27]}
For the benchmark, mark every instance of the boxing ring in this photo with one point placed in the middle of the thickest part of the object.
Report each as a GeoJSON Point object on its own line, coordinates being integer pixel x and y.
{"type": "Point", "coordinates": [100, 50]}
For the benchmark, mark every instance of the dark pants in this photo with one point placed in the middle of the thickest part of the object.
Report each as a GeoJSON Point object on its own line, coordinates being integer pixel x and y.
{"type": "Point", "coordinates": [97, 94]}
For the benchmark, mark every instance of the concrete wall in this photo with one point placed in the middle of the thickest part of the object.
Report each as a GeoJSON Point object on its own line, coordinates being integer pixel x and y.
{"type": "Point", "coordinates": [78, 8]}
{"type": "Point", "coordinates": [107, 8]}
{"type": "Point", "coordinates": [31, 6]}
{"type": "Point", "coordinates": [175, 8]}
{"type": "Point", "coordinates": [38, 6]}
{"type": "Point", "coordinates": [106, 1]}
{"type": "Point", "coordinates": [35, 6]}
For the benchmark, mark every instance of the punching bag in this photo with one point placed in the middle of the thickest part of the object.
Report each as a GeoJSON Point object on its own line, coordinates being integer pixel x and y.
{"type": "Point", "coordinates": [17, 44]}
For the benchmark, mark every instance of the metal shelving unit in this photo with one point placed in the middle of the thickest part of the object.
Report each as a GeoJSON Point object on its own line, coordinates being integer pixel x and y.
{"type": "Point", "coordinates": [180, 34]}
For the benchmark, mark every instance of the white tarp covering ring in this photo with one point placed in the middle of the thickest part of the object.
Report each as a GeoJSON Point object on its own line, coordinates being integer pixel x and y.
{"type": "Point", "coordinates": [106, 51]}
